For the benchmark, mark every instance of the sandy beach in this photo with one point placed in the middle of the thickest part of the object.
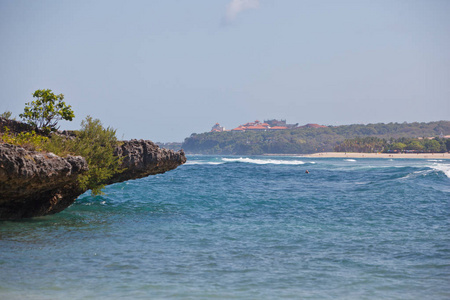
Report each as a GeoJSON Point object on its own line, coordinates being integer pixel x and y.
{"type": "Point", "coordinates": [380, 155]}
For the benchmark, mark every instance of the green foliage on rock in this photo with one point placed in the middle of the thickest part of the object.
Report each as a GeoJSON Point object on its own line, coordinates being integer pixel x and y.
{"type": "Point", "coordinates": [29, 140]}
{"type": "Point", "coordinates": [96, 144]}
{"type": "Point", "coordinates": [47, 110]}
{"type": "Point", "coordinates": [93, 142]}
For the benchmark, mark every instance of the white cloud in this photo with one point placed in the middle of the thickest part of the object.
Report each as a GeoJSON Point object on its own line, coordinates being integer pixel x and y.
{"type": "Point", "coordinates": [237, 6]}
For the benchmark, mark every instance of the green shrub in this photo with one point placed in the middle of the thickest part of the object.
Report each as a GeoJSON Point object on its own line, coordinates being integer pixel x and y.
{"type": "Point", "coordinates": [60, 145]}
{"type": "Point", "coordinates": [28, 140]}
{"type": "Point", "coordinates": [96, 144]}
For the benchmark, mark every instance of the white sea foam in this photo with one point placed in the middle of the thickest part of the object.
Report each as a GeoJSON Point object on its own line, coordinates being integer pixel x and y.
{"type": "Point", "coordinates": [264, 161]}
{"type": "Point", "coordinates": [445, 168]}
{"type": "Point", "coordinates": [200, 162]}
{"type": "Point", "coordinates": [435, 160]}
{"type": "Point", "coordinates": [349, 159]}
{"type": "Point", "coordinates": [415, 174]}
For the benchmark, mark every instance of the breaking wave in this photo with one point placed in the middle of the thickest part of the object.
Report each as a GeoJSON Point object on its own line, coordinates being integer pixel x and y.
{"type": "Point", "coordinates": [264, 161]}
{"type": "Point", "coordinates": [445, 168]}
{"type": "Point", "coordinates": [430, 169]}
{"type": "Point", "coordinates": [200, 162]}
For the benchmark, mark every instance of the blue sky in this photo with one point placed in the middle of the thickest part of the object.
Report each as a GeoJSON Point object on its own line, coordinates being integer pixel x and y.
{"type": "Point", "coordinates": [163, 69]}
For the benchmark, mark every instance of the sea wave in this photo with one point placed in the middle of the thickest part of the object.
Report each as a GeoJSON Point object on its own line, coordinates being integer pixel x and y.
{"type": "Point", "coordinates": [431, 169]}
{"type": "Point", "coordinates": [349, 159]}
{"type": "Point", "coordinates": [416, 174]}
{"type": "Point", "coordinates": [445, 168]}
{"type": "Point", "coordinates": [199, 162]}
{"type": "Point", "coordinates": [264, 161]}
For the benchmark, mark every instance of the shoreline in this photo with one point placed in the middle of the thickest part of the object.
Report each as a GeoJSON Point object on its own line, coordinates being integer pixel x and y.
{"type": "Point", "coordinates": [379, 155]}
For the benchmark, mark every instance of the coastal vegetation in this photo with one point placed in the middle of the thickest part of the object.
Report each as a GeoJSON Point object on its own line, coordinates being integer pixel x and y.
{"type": "Point", "coordinates": [96, 144]}
{"type": "Point", "coordinates": [46, 111]}
{"type": "Point", "coordinates": [311, 140]}
{"type": "Point", "coordinates": [374, 144]}
{"type": "Point", "coordinates": [28, 140]}
{"type": "Point", "coordinates": [93, 142]}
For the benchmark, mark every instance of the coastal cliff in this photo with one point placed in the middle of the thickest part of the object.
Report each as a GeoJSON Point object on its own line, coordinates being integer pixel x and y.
{"type": "Point", "coordinates": [36, 183]}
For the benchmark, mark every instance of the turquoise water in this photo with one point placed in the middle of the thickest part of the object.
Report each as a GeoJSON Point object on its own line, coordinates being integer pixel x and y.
{"type": "Point", "coordinates": [244, 228]}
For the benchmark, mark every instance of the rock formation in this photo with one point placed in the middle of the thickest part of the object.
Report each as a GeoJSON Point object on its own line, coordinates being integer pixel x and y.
{"type": "Point", "coordinates": [37, 184]}
{"type": "Point", "coordinates": [143, 158]}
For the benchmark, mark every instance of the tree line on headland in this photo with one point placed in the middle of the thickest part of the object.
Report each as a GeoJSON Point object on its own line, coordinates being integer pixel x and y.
{"type": "Point", "coordinates": [378, 137]}
{"type": "Point", "coordinates": [411, 145]}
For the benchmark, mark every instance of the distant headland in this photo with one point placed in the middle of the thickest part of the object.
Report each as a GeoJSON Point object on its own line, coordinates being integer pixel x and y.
{"type": "Point", "coordinates": [278, 137]}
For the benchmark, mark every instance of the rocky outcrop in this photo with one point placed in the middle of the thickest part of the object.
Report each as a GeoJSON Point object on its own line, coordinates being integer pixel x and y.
{"type": "Point", "coordinates": [36, 184]}
{"type": "Point", "coordinates": [141, 158]}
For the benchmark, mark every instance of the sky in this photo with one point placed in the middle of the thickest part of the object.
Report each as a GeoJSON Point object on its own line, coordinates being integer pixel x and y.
{"type": "Point", "coordinates": [164, 69]}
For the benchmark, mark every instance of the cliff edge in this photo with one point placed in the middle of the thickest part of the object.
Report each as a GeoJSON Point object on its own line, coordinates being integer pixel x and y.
{"type": "Point", "coordinates": [36, 184]}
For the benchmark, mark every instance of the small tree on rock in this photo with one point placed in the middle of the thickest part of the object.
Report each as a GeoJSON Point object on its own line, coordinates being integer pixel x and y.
{"type": "Point", "coordinates": [47, 110]}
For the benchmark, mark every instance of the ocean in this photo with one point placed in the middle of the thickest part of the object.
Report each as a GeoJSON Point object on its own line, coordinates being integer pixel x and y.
{"type": "Point", "coordinates": [257, 227]}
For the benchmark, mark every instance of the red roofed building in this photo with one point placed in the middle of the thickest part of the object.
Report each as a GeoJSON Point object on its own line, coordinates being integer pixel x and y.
{"type": "Point", "coordinates": [266, 126]}
{"type": "Point", "coordinates": [257, 127]}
